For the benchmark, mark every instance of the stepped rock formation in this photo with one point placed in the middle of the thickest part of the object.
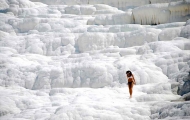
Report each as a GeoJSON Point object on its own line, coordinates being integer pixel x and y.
{"type": "Point", "coordinates": [66, 59]}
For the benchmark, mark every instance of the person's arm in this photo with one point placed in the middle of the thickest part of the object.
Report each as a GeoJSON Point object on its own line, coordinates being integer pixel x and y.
{"type": "Point", "coordinates": [133, 79]}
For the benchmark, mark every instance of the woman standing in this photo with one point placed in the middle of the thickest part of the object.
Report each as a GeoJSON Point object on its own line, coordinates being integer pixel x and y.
{"type": "Point", "coordinates": [131, 81]}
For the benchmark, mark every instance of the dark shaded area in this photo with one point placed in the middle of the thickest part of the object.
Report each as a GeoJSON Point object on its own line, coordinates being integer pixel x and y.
{"type": "Point", "coordinates": [186, 86]}
{"type": "Point", "coordinates": [4, 11]}
{"type": "Point", "coordinates": [187, 97]}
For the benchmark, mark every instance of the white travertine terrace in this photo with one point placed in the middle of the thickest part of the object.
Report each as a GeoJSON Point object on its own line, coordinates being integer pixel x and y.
{"type": "Point", "coordinates": [66, 59]}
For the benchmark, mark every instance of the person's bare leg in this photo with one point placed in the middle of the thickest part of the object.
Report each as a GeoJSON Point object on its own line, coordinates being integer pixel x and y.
{"type": "Point", "coordinates": [131, 90]}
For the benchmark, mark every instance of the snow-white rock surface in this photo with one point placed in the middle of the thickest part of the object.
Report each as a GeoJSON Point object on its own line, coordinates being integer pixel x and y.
{"type": "Point", "coordinates": [66, 59]}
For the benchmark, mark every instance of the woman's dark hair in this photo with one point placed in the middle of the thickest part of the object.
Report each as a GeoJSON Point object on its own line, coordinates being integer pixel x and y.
{"type": "Point", "coordinates": [129, 72]}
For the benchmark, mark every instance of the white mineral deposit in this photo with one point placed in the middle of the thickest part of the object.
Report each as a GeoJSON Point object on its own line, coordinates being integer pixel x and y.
{"type": "Point", "coordinates": [67, 59]}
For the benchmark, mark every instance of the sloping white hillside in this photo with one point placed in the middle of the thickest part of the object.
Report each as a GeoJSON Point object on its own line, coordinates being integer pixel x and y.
{"type": "Point", "coordinates": [66, 59]}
